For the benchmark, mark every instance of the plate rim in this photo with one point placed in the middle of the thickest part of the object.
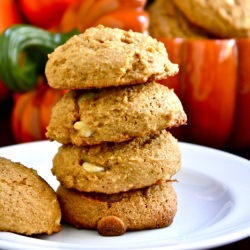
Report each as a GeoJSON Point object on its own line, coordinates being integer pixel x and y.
{"type": "Point", "coordinates": [184, 146]}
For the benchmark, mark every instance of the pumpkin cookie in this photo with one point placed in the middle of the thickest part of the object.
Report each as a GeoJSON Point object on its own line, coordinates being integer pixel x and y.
{"type": "Point", "coordinates": [28, 205]}
{"type": "Point", "coordinates": [102, 57]}
{"type": "Point", "coordinates": [118, 167]}
{"type": "Point", "coordinates": [114, 114]}
{"type": "Point", "coordinates": [167, 21]}
{"type": "Point", "coordinates": [111, 215]}
{"type": "Point", "coordinates": [222, 18]}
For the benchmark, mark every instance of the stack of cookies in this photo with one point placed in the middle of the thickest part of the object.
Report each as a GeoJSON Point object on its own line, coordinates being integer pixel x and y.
{"type": "Point", "coordinates": [117, 159]}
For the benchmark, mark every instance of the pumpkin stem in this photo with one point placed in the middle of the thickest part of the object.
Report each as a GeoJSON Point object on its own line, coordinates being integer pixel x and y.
{"type": "Point", "coordinates": [23, 56]}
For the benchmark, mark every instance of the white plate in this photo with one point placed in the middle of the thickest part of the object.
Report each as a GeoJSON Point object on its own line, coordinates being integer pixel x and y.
{"type": "Point", "coordinates": [213, 194]}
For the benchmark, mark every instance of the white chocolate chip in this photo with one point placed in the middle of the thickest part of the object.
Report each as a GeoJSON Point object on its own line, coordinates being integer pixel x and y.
{"type": "Point", "coordinates": [230, 2]}
{"type": "Point", "coordinates": [82, 128]}
{"type": "Point", "coordinates": [92, 168]}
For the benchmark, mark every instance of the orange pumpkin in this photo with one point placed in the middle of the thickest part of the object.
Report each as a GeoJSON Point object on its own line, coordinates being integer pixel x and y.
{"type": "Point", "coordinates": [31, 113]}
{"type": "Point", "coordinates": [112, 13]}
{"type": "Point", "coordinates": [9, 16]}
{"type": "Point", "coordinates": [214, 87]}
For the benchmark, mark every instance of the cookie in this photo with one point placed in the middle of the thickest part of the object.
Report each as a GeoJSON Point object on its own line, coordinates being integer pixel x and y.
{"type": "Point", "coordinates": [223, 18]}
{"type": "Point", "coordinates": [28, 205]}
{"type": "Point", "coordinates": [167, 21]}
{"type": "Point", "coordinates": [103, 57]}
{"type": "Point", "coordinates": [118, 167]}
{"type": "Point", "coordinates": [114, 114]}
{"type": "Point", "coordinates": [111, 215]}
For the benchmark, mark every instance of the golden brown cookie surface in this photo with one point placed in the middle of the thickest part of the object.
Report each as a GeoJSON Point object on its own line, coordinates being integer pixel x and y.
{"type": "Point", "coordinates": [167, 21]}
{"type": "Point", "coordinates": [112, 167]}
{"type": "Point", "coordinates": [28, 205]}
{"type": "Point", "coordinates": [114, 114]}
{"type": "Point", "coordinates": [148, 208]}
{"type": "Point", "coordinates": [103, 57]}
{"type": "Point", "coordinates": [223, 18]}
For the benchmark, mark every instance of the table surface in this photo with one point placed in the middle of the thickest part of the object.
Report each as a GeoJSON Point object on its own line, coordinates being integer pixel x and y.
{"type": "Point", "coordinates": [7, 139]}
{"type": "Point", "coordinates": [241, 245]}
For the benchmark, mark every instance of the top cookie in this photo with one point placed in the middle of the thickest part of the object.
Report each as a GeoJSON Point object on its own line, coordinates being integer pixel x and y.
{"type": "Point", "coordinates": [102, 57]}
{"type": "Point", "coordinates": [222, 18]}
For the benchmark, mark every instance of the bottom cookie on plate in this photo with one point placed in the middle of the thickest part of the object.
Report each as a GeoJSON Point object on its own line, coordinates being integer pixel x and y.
{"type": "Point", "coordinates": [114, 214]}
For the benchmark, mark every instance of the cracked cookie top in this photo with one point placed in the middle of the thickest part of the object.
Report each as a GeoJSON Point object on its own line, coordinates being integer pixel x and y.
{"type": "Point", "coordinates": [102, 57]}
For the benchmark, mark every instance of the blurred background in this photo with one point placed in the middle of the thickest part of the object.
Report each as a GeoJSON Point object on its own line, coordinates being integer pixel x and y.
{"type": "Point", "coordinates": [213, 82]}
